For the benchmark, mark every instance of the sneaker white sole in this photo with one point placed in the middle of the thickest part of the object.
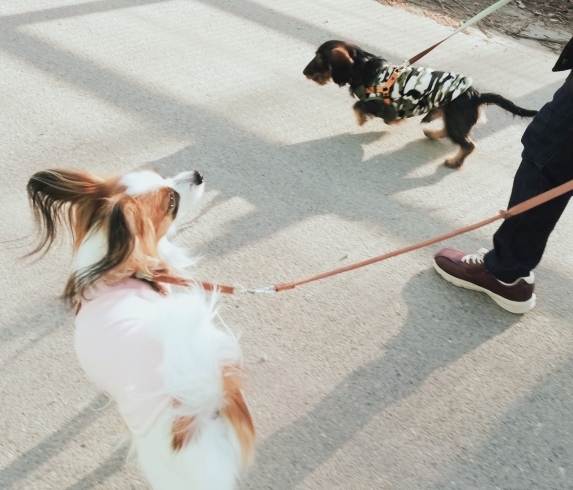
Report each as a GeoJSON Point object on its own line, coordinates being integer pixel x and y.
{"type": "Point", "coordinates": [517, 307]}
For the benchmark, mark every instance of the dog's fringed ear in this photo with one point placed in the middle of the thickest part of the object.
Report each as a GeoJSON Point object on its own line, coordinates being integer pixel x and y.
{"type": "Point", "coordinates": [121, 239]}
{"type": "Point", "coordinates": [121, 242]}
{"type": "Point", "coordinates": [341, 65]}
{"type": "Point", "coordinates": [58, 195]}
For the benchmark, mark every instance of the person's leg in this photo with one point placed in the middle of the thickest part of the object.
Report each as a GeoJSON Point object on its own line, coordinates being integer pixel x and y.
{"type": "Point", "coordinates": [504, 274]}
{"type": "Point", "coordinates": [520, 241]}
{"type": "Point", "coordinates": [547, 162]}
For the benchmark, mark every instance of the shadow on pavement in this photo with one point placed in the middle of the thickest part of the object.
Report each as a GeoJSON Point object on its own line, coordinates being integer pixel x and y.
{"type": "Point", "coordinates": [531, 446]}
{"type": "Point", "coordinates": [32, 459]}
{"type": "Point", "coordinates": [267, 177]}
{"type": "Point", "coordinates": [436, 333]}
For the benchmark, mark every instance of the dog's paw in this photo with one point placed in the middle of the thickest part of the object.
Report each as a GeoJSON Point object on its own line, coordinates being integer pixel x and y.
{"type": "Point", "coordinates": [453, 163]}
{"type": "Point", "coordinates": [434, 134]}
{"type": "Point", "coordinates": [362, 117]}
{"type": "Point", "coordinates": [394, 122]}
{"type": "Point", "coordinates": [458, 160]}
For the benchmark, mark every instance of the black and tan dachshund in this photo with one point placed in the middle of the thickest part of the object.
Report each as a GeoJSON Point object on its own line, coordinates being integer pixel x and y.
{"type": "Point", "coordinates": [395, 93]}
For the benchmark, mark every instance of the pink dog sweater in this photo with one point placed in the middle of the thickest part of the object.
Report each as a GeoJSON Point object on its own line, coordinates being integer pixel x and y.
{"type": "Point", "coordinates": [119, 352]}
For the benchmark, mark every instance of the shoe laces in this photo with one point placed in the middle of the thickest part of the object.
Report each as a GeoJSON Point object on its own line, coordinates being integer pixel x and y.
{"type": "Point", "coordinates": [475, 258]}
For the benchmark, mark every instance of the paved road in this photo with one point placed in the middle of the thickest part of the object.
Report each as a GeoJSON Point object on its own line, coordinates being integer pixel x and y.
{"type": "Point", "coordinates": [383, 378]}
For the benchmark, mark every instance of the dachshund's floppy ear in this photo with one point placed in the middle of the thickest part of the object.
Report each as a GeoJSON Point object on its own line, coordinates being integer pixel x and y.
{"type": "Point", "coordinates": [340, 65]}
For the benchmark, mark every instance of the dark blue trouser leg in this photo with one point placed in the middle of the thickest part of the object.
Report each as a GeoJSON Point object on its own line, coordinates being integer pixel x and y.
{"type": "Point", "coordinates": [547, 161]}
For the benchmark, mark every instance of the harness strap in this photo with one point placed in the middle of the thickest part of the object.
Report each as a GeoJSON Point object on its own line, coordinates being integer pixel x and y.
{"type": "Point", "coordinates": [385, 88]}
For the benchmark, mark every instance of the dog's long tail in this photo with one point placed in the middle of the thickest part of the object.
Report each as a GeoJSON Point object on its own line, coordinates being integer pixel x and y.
{"type": "Point", "coordinates": [506, 104]}
{"type": "Point", "coordinates": [208, 431]}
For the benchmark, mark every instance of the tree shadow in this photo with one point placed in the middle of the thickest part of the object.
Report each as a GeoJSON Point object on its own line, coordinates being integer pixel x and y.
{"type": "Point", "coordinates": [32, 459]}
{"type": "Point", "coordinates": [284, 183]}
{"type": "Point", "coordinates": [114, 464]}
{"type": "Point", "coordinates": [41, 321]}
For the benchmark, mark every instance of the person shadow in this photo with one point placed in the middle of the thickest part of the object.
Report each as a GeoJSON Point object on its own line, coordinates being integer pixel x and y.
{"type": "Point", "coordinates": [531, 446]}
{"type": "Point", "coordinates": [440, 328]}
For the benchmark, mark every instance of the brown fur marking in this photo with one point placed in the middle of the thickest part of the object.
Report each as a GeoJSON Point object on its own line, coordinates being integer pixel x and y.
{"type": "Point", "coordinates": [321, 78]}
{"type": "Point", "coordinates": [183, 431]}
{"type": "Point", "coordinates": [237, 412]}
{"type": "Point", "coordinates": [341, 53]}
{"type": "Point", "coordinates": [433, 115]}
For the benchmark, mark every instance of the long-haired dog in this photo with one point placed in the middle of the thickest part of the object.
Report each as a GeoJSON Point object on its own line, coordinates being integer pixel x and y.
{"type": "Point", "coordinates": [175, 376]}
{"type": "Point", "coordinates": [394, 93]}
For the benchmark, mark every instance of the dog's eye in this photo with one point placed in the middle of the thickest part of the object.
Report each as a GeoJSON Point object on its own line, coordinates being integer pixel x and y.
{"type": "Point", "coordinates": [171, 201]}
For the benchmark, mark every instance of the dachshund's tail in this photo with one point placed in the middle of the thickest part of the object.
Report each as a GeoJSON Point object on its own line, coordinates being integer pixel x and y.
{"type": "Point", "coordinates": [506, 104]}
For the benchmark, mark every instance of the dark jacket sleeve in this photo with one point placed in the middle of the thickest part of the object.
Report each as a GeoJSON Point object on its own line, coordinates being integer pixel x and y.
{"type": "Point", "coordinates": [565, 61]}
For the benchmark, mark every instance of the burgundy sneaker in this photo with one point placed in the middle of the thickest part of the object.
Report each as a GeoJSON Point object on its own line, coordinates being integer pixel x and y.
{"type": "Point", "coordinates": [468, 271]}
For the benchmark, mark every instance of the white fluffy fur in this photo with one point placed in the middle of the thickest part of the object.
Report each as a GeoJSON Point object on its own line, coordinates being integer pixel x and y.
{"type": "Point", "coordinates": [209, 463]}
{"type": "Point", "coordinates": [181, 183]}
{"type": "Point", "coordinates": [173, 255]}
{"type": "Point", "coordinates": [91, 251]}
{"type": "Point", "coordinates": [142, 181]}
{"type": "Point", "coordinates": [194, 353]}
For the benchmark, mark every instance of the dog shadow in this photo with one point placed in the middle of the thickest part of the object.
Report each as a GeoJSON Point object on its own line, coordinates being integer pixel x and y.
{"type": "Point", "coordinates": [329, 176]}
{"type": "Point", "coordinates": [436, 332]}
{"type": "Point", "coordinates": [42, 320]}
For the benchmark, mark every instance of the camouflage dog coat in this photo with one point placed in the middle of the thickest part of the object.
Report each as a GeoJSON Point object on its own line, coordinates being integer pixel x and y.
{"type": "Point", "coordinates": [416, 91]}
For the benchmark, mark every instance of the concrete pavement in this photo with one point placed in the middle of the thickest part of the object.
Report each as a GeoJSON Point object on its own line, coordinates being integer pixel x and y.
{"type": "Point", "coordinates": [383, 378]}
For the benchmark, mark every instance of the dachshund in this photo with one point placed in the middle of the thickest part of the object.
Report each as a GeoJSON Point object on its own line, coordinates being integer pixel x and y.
{"type": "Point", "coordinates": [394, 93]}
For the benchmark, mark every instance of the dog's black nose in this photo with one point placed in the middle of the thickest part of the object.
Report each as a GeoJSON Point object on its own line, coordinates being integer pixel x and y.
{"type": "Point", "coordinates": [197, 178]}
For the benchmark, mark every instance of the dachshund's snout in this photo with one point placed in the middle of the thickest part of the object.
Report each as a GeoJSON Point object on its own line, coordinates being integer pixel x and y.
{"type": "Point", "coordinates": [315, 66]}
